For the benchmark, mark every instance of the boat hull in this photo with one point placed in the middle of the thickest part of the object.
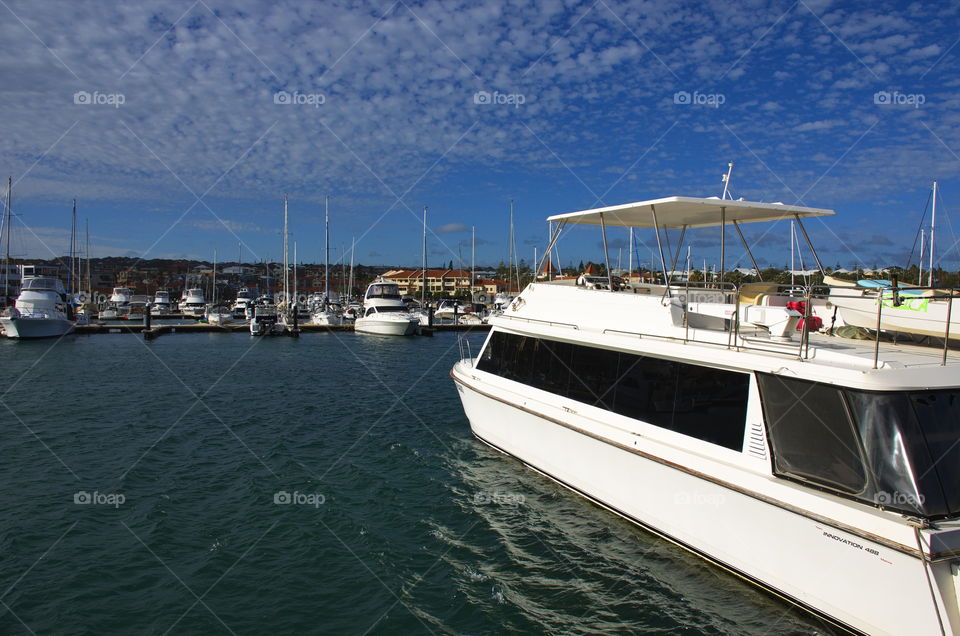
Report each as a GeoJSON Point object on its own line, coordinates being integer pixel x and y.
{"type": "Point", "coordinates": [24, 327]}
{"type": "Point", "coordinates": [856, 583]}
{"type": "Point", "coordinates": [919, 316]}
{"type": "Point", "coordinates": [383, 327]}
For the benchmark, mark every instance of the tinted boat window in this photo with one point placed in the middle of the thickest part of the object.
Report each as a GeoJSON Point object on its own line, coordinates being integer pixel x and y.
{"type": "Point", "coordinates": [811, 433]}
{"type": "Point", "coordinates": [939, 413]}
{"type": "Point", "coordinates": [708, 404]}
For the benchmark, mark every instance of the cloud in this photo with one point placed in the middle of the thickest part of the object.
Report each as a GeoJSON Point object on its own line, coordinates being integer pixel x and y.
{"type": "Point", "coordinates": [451, 228]}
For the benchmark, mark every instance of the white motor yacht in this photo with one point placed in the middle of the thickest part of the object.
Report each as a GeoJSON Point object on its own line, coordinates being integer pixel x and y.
{"type": "Point", "coordinates": [264, 319]}
{"type": "Point", "coordinates": [244, 298]}
{"type": "Point", "coordinates": [193, 303]}
{"type": "Point", "coordinates": [447, 309]}
{"type": "Point", "coordinates": [161, 303]}
{"type": "Point", "coordinates": [822, 469]}
{"type": "Point", "coordinates": [384, 313]}
{"type": "Point", "coordinates": [118, 304]}
{"type": "Point", "coordinates": [41, 310]}
{"type": "Point", "coordinates": [218, 315]}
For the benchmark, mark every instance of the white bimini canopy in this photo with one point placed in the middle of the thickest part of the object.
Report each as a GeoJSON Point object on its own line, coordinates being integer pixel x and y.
{"type": "Point", "coordinates": [690, 212]}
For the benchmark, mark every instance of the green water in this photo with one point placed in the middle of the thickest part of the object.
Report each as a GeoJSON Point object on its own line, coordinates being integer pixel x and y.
{"type": "Point", "coordinates": [399, 521]}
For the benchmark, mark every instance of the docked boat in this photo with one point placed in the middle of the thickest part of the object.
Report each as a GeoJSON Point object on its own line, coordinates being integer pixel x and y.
{"type": "Point", "coordinates": [244, 298]}
{"type": "Point", "coordinates": [449, 309]}
{"type": "Point", "coordinates": [161, 303]}
{"type": "Point", "coordinates": [41, 310]}
{"type": "Point", "coordinates": [264, 318]}
{"type": "Point", "coordinates": [919, 311]}
{"type": "Point", "coordinates": [218, 315]}
{"type": "Point", "coordinates": [384, 312]}
{"type": "Point", "coordinates": [825, 470]}
{"type": "Point", "coordinates": [118, 304]}
{"type": "Point", "coordinates": [194, 303]}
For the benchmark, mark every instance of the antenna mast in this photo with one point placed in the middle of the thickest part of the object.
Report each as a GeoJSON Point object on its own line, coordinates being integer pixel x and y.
{"type": "Point", "coordinates": [726, 181]}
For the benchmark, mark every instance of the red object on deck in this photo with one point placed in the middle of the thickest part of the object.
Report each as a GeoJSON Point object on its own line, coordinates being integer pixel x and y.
{"type": "Point", "coordinates": [814, 323]}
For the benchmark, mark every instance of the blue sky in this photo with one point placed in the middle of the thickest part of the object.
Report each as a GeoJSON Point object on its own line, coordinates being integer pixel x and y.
{"type": "Point", "coordinates": [179, 125]}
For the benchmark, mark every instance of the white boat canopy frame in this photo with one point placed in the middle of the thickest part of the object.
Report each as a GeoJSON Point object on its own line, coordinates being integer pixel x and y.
{"type": "Point", "coordinates": [687, 212]}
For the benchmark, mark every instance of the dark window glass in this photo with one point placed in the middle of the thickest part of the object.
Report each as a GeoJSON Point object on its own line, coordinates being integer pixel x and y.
{"type": "Point", "coordinates": [708, 404]}
{"type": "Point", "coordinates": [939, 415]}
{"type": "Point", "coordinates": [811, 433]}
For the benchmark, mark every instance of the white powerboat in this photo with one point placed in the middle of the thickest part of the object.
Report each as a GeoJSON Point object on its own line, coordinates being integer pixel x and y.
{"type": "Point", "coordinates": [194, 303]}
{"type": "Point", "coordinates": [118, 304]}
{"type": "Point", "coordinates": [384, 313]}
{"type": "Point", "coordinates": [264, 319]}
{"type": "Point", "coordinates": [824, 470]}
{"type": "Point", "coordinates": [40, 310]}
{"type": "Point", "coordinates": [244, 298]}
{"type": "Point", "coordinates": [448, 309]}
{"type": "Point", "coordinates": [161, 303]}
{"type": "Point", "coordinates": [920, 311]}
{"type": "Point", "coordinates": [218, 315]}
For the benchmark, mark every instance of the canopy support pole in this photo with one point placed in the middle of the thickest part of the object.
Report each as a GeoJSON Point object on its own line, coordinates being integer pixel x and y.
{"type": "Point", "coordinates": [663, 263]}
{"type": "Point", "coordinates": [606, 253]}
{"type": "Point", "coordinates": [747, 247]}
{"type": "Point", "coordinates": [809, 244]}
{"type": "Point", "coordinates": [723, 242]}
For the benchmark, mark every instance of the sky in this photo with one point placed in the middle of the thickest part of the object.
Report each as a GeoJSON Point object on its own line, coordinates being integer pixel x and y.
{"type": "Point", "coordinates": [179, 126]}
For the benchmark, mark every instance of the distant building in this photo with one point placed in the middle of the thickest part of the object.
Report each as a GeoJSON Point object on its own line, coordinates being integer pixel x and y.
{"type": "Point", "coordinates": [438, 281]}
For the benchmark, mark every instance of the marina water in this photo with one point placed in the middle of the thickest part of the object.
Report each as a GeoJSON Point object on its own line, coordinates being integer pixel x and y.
{"type": "Point", "coordinates": [217, 483]}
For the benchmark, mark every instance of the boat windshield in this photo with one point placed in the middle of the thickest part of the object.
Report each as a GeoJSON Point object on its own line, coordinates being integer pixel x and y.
{"type": "Point", "coordinates": [40, 284]}
{"type": "Point", "coordinates": [384, 290]}
{"type": "Point", "coordinates": [896, 450]}
{"type": "Point", "coordinates": [387, 310]}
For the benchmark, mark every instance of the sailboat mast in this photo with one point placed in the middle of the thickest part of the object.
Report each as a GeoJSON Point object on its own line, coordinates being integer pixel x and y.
{"type": "Point", "coordinates": [213, 282]}
{"type": "Point", "coordinates": [72, 277]}
{"type": "Point", "coordinates": [8, 218]}
{"type": "Point", "coordinates": [630, 258]}
{"type": "Point", "coordinates": [296, 296]}
{"type": "Point", "coordinates": [353, 246]}
{"type": "Point", "coordinates": [923, 241]}
{"type": "Point", "coordinates": [89, 285]}
{"type": "Point", "coordinates": [473, 258]}
{"type": "Point", "coordinates": [286, 259]}
{"type": "Point", "coordinates": [423, 279]}
{"type": "Point", "coordinates": [326, 251]}
{"type": "Point", "coordinates": [933, 228]}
